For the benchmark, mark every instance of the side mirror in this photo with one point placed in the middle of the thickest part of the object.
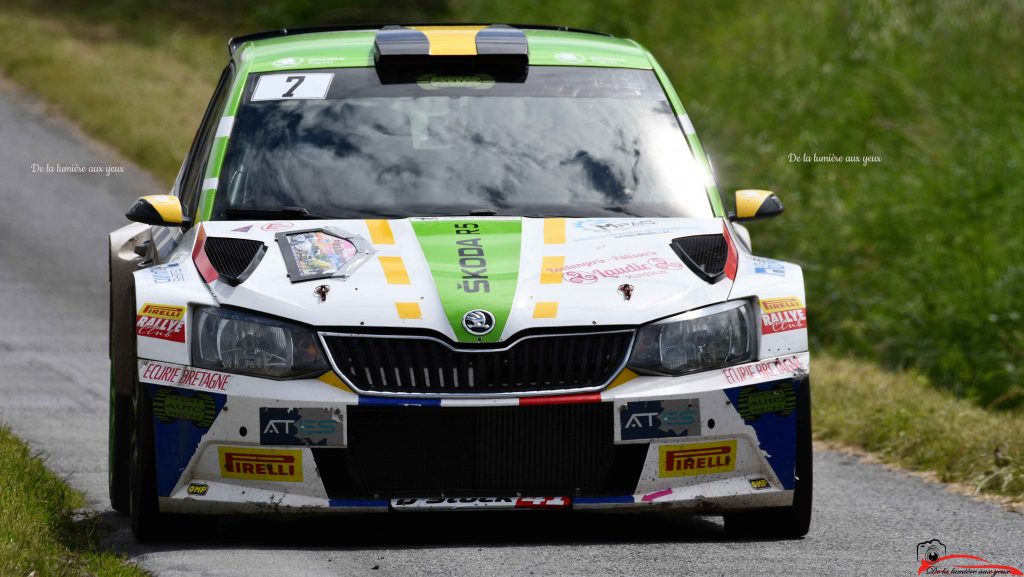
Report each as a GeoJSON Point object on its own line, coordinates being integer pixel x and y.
{"type": "Point", "coordinates": [755, 205]}
{"type": "Point", "coordinates": [158, 210]}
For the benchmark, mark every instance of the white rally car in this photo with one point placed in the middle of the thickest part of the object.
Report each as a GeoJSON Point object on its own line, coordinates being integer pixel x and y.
{"type": "Point", "coordinates": [466, 267]}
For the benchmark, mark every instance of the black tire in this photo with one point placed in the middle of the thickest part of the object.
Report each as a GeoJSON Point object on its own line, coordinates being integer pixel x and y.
{"type": "Point", "coordinates": [148, 524]}
{"type": "Point", "coordinates": [120, 435]}
{"type": "Point", "coordinates": [785, 522]}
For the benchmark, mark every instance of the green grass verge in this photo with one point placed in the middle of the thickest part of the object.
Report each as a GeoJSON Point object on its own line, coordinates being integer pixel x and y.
{"type": "Point", "coordinates": [37, 529]}
{"type": "Point", "coordinates": [901, 418]}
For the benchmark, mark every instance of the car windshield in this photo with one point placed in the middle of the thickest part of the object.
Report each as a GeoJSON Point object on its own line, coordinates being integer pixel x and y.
{"type": "Point", "coordinates": [567, 141]}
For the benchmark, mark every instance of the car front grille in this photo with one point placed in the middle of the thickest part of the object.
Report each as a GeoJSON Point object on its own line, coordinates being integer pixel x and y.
{"type": "Point", "coordinates": [425, 365]}
{"type": "Point", "coordinates": [551, 450]}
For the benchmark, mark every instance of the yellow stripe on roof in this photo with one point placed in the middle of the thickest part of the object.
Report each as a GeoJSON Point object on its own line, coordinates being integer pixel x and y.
{"type": "Point", "coordinates": [380, 232]}
{"type": "Point", "coordinates": [554, 231]}
{"type": "Point", "coordinates": [409, 310]}
{"type": "Point", "coordinates": [551, 269]}
{"type": "Point", "coordinates": [451, 40]}
{"type": "Point", "coordinates": [394, 270]}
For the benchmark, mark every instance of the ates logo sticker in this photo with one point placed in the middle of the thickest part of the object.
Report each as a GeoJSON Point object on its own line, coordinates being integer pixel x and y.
{"type": "Point", "coordinates": [165, 322]}
{"type": "Point", "coordinates": [260, 464]}
{"type": "Point", "coordinates": [643, 420]}
{"type": "Point", "coordinates": [303, 426]}
{"type": "Point", "coordinates": [697, 459]}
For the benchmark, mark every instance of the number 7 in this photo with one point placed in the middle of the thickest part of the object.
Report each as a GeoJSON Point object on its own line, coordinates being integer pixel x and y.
{"type": "Point", "coordinates": [291, 91]}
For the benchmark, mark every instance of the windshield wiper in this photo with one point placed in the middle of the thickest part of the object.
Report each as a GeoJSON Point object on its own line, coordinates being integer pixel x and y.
{"type": "Point", "coordinates": [285, 212]}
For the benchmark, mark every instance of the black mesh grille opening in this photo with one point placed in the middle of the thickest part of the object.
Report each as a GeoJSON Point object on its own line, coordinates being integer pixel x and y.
{"type": "Point", "coordinates": [480, 451]}
{"type": "Point", "coordinates": [420, 365]}
{"type": "Point", "coordinates": [234, 258]}
{"type": "Point", "coordinates": [704, 254]}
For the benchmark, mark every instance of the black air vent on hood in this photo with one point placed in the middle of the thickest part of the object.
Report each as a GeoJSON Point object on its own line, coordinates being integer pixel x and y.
{"type": "Point", "coordinates": [705, 254]}
{"type": "Point", "coordinates": [234, 258]}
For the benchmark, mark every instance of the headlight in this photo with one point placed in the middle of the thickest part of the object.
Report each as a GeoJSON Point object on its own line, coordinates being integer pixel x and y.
{"type": "Point", "coordinates": [708, 338]}
{"type": "Point", "coordinates": [235, 342]}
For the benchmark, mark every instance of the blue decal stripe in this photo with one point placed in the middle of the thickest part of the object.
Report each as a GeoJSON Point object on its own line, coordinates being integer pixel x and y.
{"type": "Point", "coordinates": [357, 503]}
{"type": "Point", "coordinates": [603, 500]}
{"type": "Point", "coordinates": [397, 402]}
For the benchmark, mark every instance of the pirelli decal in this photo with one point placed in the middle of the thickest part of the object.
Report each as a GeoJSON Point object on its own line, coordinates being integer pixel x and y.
{"type": "Point", "coordinates": [697, 459]}
{"type": "Point", "coordinates": [260, 464]}
{"type": "Point", "coordinates": [165, 322]}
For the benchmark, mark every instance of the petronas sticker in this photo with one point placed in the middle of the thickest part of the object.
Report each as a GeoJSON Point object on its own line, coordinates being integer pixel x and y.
{"type": "Point", "coordinates": [169, 406]}
{"type": "Point", "coordinates": [475, 265]}
{"type": "Point", "coordinates": [753, 402]}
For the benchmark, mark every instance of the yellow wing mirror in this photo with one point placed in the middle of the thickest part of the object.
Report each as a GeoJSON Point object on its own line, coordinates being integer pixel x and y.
{"type": "Point", "coordinates": [159, 210]}
{"type": "Point", "coordinates": [755, 205]}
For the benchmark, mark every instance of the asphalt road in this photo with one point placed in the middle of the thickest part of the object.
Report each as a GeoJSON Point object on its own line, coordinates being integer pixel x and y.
{"type": "Point", "coordinates": [868, 520]}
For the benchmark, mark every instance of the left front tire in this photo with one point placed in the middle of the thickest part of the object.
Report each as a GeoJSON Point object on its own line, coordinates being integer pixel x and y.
{"type": "Point", "coordinates": [147, 523]}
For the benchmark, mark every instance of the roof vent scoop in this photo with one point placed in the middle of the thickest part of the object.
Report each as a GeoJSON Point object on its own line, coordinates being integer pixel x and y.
{"type": "Point", "coordinates": [706, 255]}
{"type": "Point", "coordinates": [234, 258]}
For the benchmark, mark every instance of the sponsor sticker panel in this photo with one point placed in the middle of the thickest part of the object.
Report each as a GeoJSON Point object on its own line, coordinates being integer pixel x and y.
{"type": "Point", "coordinates": [779, 315]}
{"type": "Point", "coordinates": [646, 420]}
{"type": "Point", "coordinates": [697, 459]}
{"type": "Point", "coordinates": [158, 321]}
{"type": "Point", "coordinates": [483, 503]}
{"type": "Point", "coordinates": [302, 427]}
{"type": "Point", "coordinates": [161, 373]}
{"type": "Point", "coordinates": [251, 464]}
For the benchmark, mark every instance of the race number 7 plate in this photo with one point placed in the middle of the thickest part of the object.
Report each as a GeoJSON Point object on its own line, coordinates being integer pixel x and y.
{"type": "Point", "coordinates": [292, 86]}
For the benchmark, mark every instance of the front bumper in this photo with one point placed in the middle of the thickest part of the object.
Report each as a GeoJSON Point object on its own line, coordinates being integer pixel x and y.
{"type": "Point", "coordinates": [723, 440]}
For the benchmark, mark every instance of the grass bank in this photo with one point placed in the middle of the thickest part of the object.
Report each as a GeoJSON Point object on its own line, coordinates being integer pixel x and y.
{"type": "Point", "coordinates": [902, 419]}
{"type": "Point", "coordinates": [37, 530]}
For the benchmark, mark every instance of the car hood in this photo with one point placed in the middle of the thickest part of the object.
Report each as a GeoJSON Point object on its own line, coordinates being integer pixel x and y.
{"type": "Point", "coordinates": [427, 274]}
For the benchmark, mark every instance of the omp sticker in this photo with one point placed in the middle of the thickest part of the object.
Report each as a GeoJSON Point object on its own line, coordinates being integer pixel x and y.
{"type": "Point", "coordinates": [292, 86]}
{"type": "Point", "coordinates": [165, 322]}
{"type": "Point", "coordinates": [753, 402]}
{"type": "Point", "coordinates": [644, 420]}
{"type": "Point", "coordinates": [759, 484]}
{"type": "Point", "coordinates": [302, 426]}
{"type": "Point", "coordinates": [782, 314]}
{"type": "Point", "coordinates": [483, 503]}
{"type": "Point", "coordinates": [697, 459]}
{"type": "Point", "coordinates": [197, 489]}
{"type": "Point", "coordinates": [260, 464]}
{"type": "Point", "coordinates": [771, 369]}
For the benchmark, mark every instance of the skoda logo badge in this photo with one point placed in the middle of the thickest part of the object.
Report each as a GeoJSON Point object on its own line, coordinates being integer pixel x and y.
{"type": "Point", "coordinates": [478, 322]}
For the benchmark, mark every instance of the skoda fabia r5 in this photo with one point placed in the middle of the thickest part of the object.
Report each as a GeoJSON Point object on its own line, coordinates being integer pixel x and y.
{"type": "Point", "coordinates": [453, 267]}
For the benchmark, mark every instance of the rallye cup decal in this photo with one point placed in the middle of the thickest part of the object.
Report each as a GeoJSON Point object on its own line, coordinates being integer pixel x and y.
{"type": "Point", "coordinates": [475, 265]}
{"type": "Point", "coordinates": [180, 419]}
